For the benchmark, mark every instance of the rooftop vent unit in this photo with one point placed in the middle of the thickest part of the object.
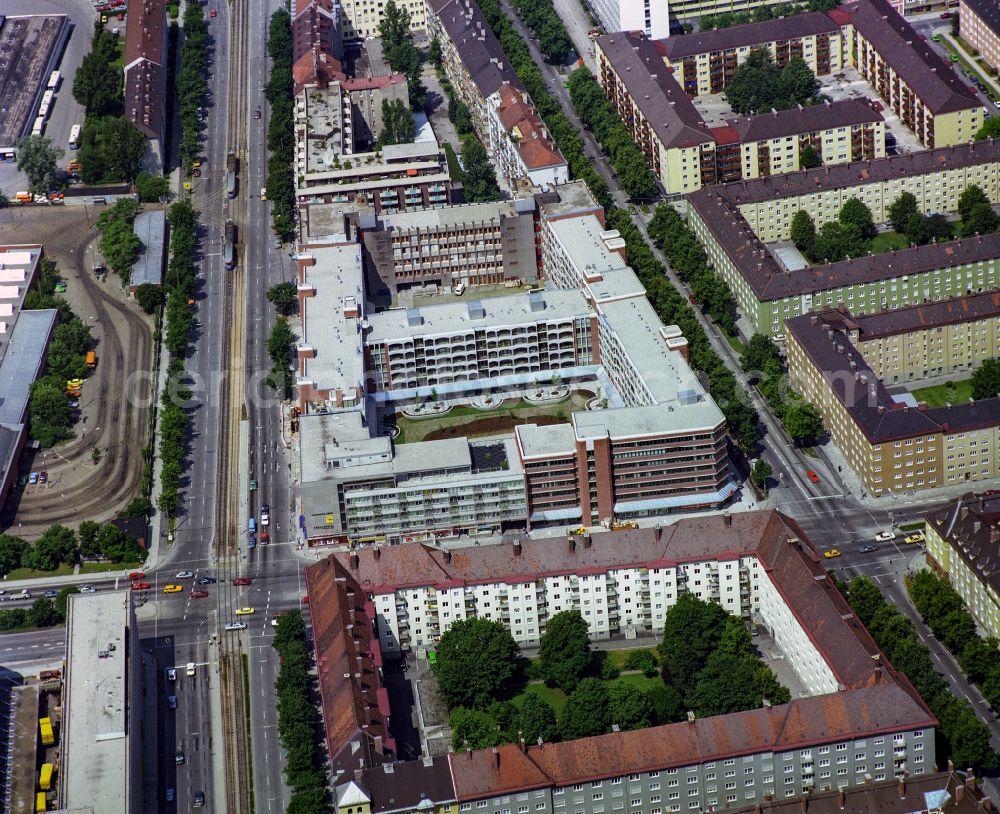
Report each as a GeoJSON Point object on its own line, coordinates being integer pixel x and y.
{"type": "Point", "coordinates": [536, 301]}
{"type": "Point", "coordinates": [476, 310]}
{"type": "Point", "coordinates": [413, 317]}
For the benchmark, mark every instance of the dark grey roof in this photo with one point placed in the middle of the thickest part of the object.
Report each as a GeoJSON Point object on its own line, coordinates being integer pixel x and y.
{"type": "Point", "coordinates": [929, 315]}
{"type": "Point", "coordinates": [972, 525]}
{"type": "Point", "coordinates": [481, 54]}
{"type": "Point", "coordinates": [823, 337]}
{"type": "Point", "coordinates": [931, 78]}
{"type": "Point", "coordinates": [986, 10]}
{"type": "Point", "coordinates": [751, 34]}
{"type": "Point", "coordinates": [664, 104]}
{"type": "Point", "coordinates": [151, 229]}
{"type": "Point", "coordinates": [409, 786]}
{"type": "Point", "coordinates": [799, 120]}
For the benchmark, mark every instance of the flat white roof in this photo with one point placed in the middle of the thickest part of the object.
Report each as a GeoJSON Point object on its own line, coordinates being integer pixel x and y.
{"type": "Point", "coordinates": [581, 239]}
{"type": "Point", "coordinates": [458, 317]}
{"type": "Point", "coordinates": [95, 715]}
{"type": "Point", "coordinates": [336, 277]}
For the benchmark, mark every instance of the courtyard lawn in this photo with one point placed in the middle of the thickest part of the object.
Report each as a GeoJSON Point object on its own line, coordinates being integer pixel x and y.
{"type": "Point", "coordinates": [948, 393]}
{"type": "Point", "coordinates": [472, 423]}
{"type": "Point", "coordinates": [104, 567]}
{"type": "Point", "coordinates": [556, 698]}
{"type": "Point", "coordinates": [887, 241]}
{"type": "Point", "coordinates": [32, 573]}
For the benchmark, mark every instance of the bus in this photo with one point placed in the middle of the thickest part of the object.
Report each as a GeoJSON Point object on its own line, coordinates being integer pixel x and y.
{"type": "Point", "coordinates": [39, 126]}
{"type": "Point", "coordinates": [55, 80]}
{"type": "Point", "coordinates": [74, 137]}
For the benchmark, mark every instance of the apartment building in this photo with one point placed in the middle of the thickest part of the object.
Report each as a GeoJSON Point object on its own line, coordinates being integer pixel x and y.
{"type": "Point", "coordinates": [961, 541]}
{"type": "Point", "coordinates": [891, 442]}
{"type": "Point", "coordinates": [502, 113]}
{"type": "Point", "coordinates": [857, 723]}
{"type": "Point", "coordinates": [359, 486]}
{"type": "Point", "coordinates": [736, 221]}
{"type": "Point", "coordinates": [930, 339]}
{"type": "Point", "coordinates": [317, 43]}
{"type": "Point", "coordinates": [686, 154]}
{"type": "Point", "coordinates": [913, 80]}
{"type": "Point", "coordinates": [145, 64]}
{"type": "Point", "coordinates": [471, 245]}
{"type": "Point", "coordinates": [361, 18]}
{"type": "Point", "coordinates": [979, 25]}
{"type": "Point", "coordinates": [706, 62]}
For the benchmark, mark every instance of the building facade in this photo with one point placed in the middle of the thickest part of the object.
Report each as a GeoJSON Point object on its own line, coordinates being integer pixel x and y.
{"type": "Point", "coordinates": [686, 154]}
{"type": "Point", "coordinates": [473, 244]}
{"type": "Point", "coordinates": [146, 74]}
{"type": "Point", "coordinates": [317, 43]}
{"type": "Point", "coordinates": [979, 25]}
{"type": "Point", "coordinates": [892, 443]}
{"type": "Point", "coordinates": [913, 80]}
{"type": "Point", "coordinates": [736, 221]}
{"type": "Point", "coordinates": [707, 61]}
{"type": "Point", "coordinates": [818, 742]}
{"type": "Point", "coordinates": [962, 541]}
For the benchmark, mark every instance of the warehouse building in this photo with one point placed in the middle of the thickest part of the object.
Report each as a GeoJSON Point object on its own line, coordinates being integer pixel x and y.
{"type": "Point", "coordinates": [857, 722]}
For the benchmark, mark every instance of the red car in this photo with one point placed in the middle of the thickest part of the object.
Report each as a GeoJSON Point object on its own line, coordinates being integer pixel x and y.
{"type": "Point", "coordinates": [946, 16]}
{"type": "Point", "coordinates": [140, 586]}
{"type": "Point", "coordinates": [137, 575]}
{"type": "Point", "coordinates": [212, 13]}
{"type": "Point", "coordinates": [265, 538]}
{"type": "Point", "coordinates": [813, 477]}
{"type": "Point", "coordinates": [242, 581]}
{"type": "Point", "coordinates": [199, 594]}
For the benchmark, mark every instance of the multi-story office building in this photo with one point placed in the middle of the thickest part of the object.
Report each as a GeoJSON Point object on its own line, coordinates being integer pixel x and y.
{"type": "Point", "coordinates": [979, 25]}
{"type": "Point", "coordinates": [962, 541]}
{"type": "Point", "coordinates": [473, 244]}
{"type": "Point", "coordinates": [145, 61]}
{"type": "Point", "coordinates": [930, 339]}
{"type": "Point", "coordinates": [856, 721]}
{"type": "Point", "coordinates": [892, 443]}
{"type": "Point", "coordinates": [707, 61]}
{"type": "Point", "coordinates": [501, 111]}
{"type": "Point", "coordinates": [686, 154]}
{"type": "Point", "coordinates": [362, 487]}
{"type": "Point", "coordinates": [913, 80]}
{"type": "Point", "coordinates": [735, 221]}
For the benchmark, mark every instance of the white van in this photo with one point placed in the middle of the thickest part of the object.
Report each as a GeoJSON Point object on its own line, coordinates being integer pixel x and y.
{"type": "Point", "coordinates": [190, 668]}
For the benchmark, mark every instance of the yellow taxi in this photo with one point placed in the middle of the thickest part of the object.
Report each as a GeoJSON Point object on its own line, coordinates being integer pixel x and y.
{"type": "Point", "coordinates": [833, 552]}
{"type": "Point", "coordinates": [245, 611]}
{"type": "Point", "coordinates": [173, 589]}
{"type": "Point", "coordinates": [916, 537]}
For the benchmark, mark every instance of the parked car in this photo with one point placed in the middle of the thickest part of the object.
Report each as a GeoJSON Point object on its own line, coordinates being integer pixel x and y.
{"type": "Point", "coordinates": [33, 478]}
{"type": "Point", "coordinates": [178, 757]}
{"type": "Point", "coordinates": [171, 674]}
{"type": "Point", "coordinates": [265, 538]}
{"type": "Point", "coordinates": [170, 795]}
{"type": "Point", "coordinates": [256, 113]}
{"type": "Point", "coordinates": [43, 477]}
{"type": "Point", "coordinates": [199, 796]}
{"type": "Point", "coordinates": [137, 575]}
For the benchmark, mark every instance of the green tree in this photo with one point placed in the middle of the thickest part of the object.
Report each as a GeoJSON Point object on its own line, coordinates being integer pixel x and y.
{"type": "Point", "coordinates": [284, 297]}
{"type": "Point", "coordinates": [628, 707]}
{"type": "Point", "coordinates": [12, 551]}
{"type": "Point", "coordinates": [537, 720]}
{"type": "Point", "coordinates": [809, 158]}
{"type": "Point", "coordinates": [280, 340]}
{"type": "Point", "coordinates": [38, 159]}
{"type": "Point", "coordinates": [124, 148]}
{"type": "Point", "coordinates": [667, 703]}
{"type": "Point", "coordinates": [866, 599]}
{"type": "Point", "coordinates": [586, 711]}
{"type": "Point", "coordinates": [49, 412]}
{"type": "Point", "coordinates": [986, 380]}
{"type": "Point", "coordinates": [43, 613]}
{"type": "Point", "coordinates": [120, 246]}
{"type": "Point", "coordinates": [981, 220]}
{"type": "Point", "coordinates": [761, 355]}
{"type": "Point", "coordinates": [901, 210]}
{"type": "Point", "coordinates": [97, 82]}
{"type": "Point", "coordinates": [803, 232]}
{"type": "Point", "coordinates": [989, 129]}
{"type": "Point", "coordinates": [643, 660]}
{"type": "Point", "coordinates": [475, 659]}
{"type": "Point", "coordinates": [979, 659]}
{"type": "Point", "coordinates": [855, 215]}
{"type": "Point", "coordinates": [151, 188]}
{"type": "Point", "coordinates": [400, 52]}
{"type": "Point", "coordinates": [480, 176]}
{"type": "Point", "coordinates": [803, 422]}
{"type": "Point", "coordinates": [735, 639]}
{"type": "Point", "coordinates": [472, 728]}
{"type": "Point", "coordinates": [691, 632]}
{"type": "Point", "coordinates": [149, 297]}
{"type": "Point", "coordinates": [434, 52]}
{"type": "Point", "coordinates": [758, 85]}
{"type": "Point", "coordinates": [62, 601]}
{"type": "Point", "coordinates": [57, 545]}
{"type": "Point", "coordinates": [138, 506]}
{"type": "Point", "coordinates": [971, 197]}
{"type": "Point", "coordinates": [760, 473]}
{"type": "Point", "coordinates": [397, 123]}
{"type": "Point", "coordinates": [291, 627]}
{"type": "Point", "coordinates": [564, 650]}
{"type": "Point", "coordinates": [87, 534]}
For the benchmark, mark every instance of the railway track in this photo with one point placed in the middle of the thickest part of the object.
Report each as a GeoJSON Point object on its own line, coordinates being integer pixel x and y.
{"type": "Point", "coordinates": [227, 519]}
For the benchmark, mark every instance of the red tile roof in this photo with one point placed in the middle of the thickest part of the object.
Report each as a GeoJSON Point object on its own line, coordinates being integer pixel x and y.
{"type": "Point", "coordinates": [145, 69]}
{"type": "Point", "coordinates": [355, 707]}
{"type": "Point", "coordinates": [535, 145]}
